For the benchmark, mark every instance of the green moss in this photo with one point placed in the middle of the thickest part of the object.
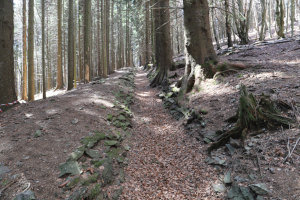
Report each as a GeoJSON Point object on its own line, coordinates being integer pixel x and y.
{"type": "Point", "coordinates": [73, 183]}
{"type": "Point", "coordinates": [109, 117]}
{"type": "Point", "coordinates": [98, 163]}
{"type": "Point", "coordinates": [95, 192]}
{"type": "Point", "coordinates": [91, 179]}
{"type": "Point", "coordinates": [90, 141]}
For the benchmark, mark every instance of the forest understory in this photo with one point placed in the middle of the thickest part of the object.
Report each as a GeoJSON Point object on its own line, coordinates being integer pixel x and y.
{"type": "Point", "coordinates": [122, 135]}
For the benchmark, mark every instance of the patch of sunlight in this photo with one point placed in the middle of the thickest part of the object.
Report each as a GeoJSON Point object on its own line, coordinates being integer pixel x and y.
{"type": "Point", "coordinates": [92, 113]}
{"type": "Point", "coordinates": [104, 103]}
{"type": "Point", "coordinates": [144, 94]}
{"type": "Point", "coordinates": [28, 115]}
{"type": "Point", "coordinates": [210, 88]}
{"type": "Point", "coordinates": [49, 93]}
{"type": "Point", "coordinates": [146, 119]}
{"type": "Point", "coordinates": [52, 111]}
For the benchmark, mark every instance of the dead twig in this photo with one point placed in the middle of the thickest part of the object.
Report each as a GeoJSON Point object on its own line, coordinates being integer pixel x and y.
{"type": "Point", "coordinates": [291, 152]}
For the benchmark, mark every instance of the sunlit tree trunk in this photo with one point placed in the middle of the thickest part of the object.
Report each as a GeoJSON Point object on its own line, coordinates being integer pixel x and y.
{"type": "Point", "coordinates": [25, 80]}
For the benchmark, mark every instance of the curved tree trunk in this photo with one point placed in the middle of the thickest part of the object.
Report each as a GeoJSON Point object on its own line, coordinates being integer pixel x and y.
{"type": "Point", "coordinates": [199, 48]}
{"type": "Point", "coordinates": [163, 50]}
{"type": "Point", "coordinates": [7, 85]}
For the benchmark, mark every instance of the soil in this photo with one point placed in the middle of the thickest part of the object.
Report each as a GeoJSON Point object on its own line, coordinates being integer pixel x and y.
{"type": "Point", "coordinates": [166, 160]}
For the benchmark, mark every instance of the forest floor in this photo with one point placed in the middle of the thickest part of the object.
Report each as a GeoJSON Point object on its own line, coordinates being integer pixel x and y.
{"type": "Point", "coordinates": [160, 156]}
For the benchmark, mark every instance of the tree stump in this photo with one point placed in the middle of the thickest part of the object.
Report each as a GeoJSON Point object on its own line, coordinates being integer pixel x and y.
{"type": "Point", "coordinates": [253, 114]}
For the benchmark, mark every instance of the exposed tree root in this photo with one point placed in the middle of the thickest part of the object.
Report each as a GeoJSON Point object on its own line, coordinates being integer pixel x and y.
{"type": "Point", "coordinates": [253, 114]}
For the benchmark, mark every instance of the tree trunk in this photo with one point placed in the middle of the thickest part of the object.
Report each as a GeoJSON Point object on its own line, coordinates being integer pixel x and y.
{"type": "Point", "coordinates": [163, 50]}
{"type": "Point", "coordinates": [262, 33]}
{"type": "Point", "coordinates": [99, 39]}
{"type": "Point", "coordinates": [199, 48]}
{"type": "Point", "coordinates": [87, 41]}
{"type": "Point", "coordinates": [228, 26]}
{"type": "Point", "coordinates": [280, 18]}
{"type": "Point", "coordinates": [112, 51]}
{"type": "Point", "coordinates": [59, 76]}
{"type": "Point", "coordinates": [25, 80]}
{"type": "Point", "coordinates": [107, 24]}
{"type": "Point", "coordinates": [31, 79]}
{"type": "Point", "coordinates": [70, 46]}
{"type": "Point", "coordinates": [292, 16]}
{"type": "Point", "coordinates": [43, 50]}
{"type": "Point", "coordinates": [147, 38]}
{"type": "Point", "coordinates": [7, 85]}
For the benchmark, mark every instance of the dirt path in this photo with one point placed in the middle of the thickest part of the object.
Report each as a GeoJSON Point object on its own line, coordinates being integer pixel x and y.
{"type": "Point", "coordinates": [164, 162]}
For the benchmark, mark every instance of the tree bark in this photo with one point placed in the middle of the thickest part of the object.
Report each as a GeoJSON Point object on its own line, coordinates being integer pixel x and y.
{"type": "Point", "coordinates": [7, 85]}
{"type": "Point", "coordinates": [70, 46]}
{"type": "Point", "coordinates": [280, 18]}
{"type": "Point", "coordinates": [228, 26]}
{"type": "Point", "coordinates": [25, 80]}
{"type": "Point", "coordinates": [199, 48]}
{"type": "Point", "coordinates": [163, 50]}
{"type": "Point", "coordinates": [59, 76]}
{"type": "Point", "coordinates": [43, 50]}
{"type": "Point", "coordinates": [31, 78]}
{"type": "Point", "coordinates": [87, 41]}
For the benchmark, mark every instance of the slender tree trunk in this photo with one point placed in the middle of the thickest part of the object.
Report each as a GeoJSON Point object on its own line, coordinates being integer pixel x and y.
{"type": "Point", "coordinates": [199, 48]}
{"type": "Point", "coordinates": [31, 79]}
{"type": "Point", "coordinates": [147, 22]}
{"type": "Point", "coordinates": [99, 39]}
{"type": "Point", "coordinates": [293, 16]}
{"type": "Point", "coordinates": [228, 26]}
{"type": "Point", "coordinates": [24, 93]}
{"type": "Point", "coordinates": [112, 51]}
{"type": "Point", "coordinates": [107, 34]}
{"type": "Point", "coordinates": [49, 70]}
{"type": "Point", "coordinates": [262, 33]}
{"type": "Point", "coordinates": [79, 42]}
{"type": "Point", "coordinates": [71, 46]}
{"type": "Point", "coordinates": [104, 41]}
{"type": "Point", "coordinates": [7, 85]}
{"type": "Point", "coordinates": [280, 18]}
{"type": "Point", "coordinates": [87, 41]}
{"type": "Point", "coordinates": [59, 73]}
{"type": "Point", "coordinates": [43, 50]}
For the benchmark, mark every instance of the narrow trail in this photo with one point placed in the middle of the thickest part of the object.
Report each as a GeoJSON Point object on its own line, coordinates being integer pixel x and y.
{"type": "Point", "coordinates": [164, 162]}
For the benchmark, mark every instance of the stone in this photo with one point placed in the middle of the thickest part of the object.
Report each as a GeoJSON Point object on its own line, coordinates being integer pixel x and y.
{"type": "Point", "coordinates": [76, 154]}
{"type": "Point", "coordinates": [227, 178]}
{"type": "Point", "coordinates": [95, 154]}
{"type": "Point", "coordinates": [235, 193]}
{"type": "Point", "coordinates": [27, 195]}
{"type": "Point", "coordinates": [246, 193]}
{"type": "Point", "coordinates": [107, 174]}
{"type": "Point", "coordinates": [259, 188]}
{"type": "Point", "coordinates": [219, 187]}
{"type": "Point", "coordinates": [216, 161]}
{"type": "Point", "coordinates": [230, 148]}
{"type": "Point", "coordinates": [4, 170]}
{"type": "Point", "coordinates": [75, 121]}
{"type": "Point", "coordinates": [117, 193]}
{"type": "Point", "coordinates": [69, 167]}
{"type": "Point", "coordinates": [111, 143]}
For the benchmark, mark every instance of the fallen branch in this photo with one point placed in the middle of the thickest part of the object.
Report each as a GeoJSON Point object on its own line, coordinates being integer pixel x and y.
{"type": "Point", "coordinates": [291, 152]}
